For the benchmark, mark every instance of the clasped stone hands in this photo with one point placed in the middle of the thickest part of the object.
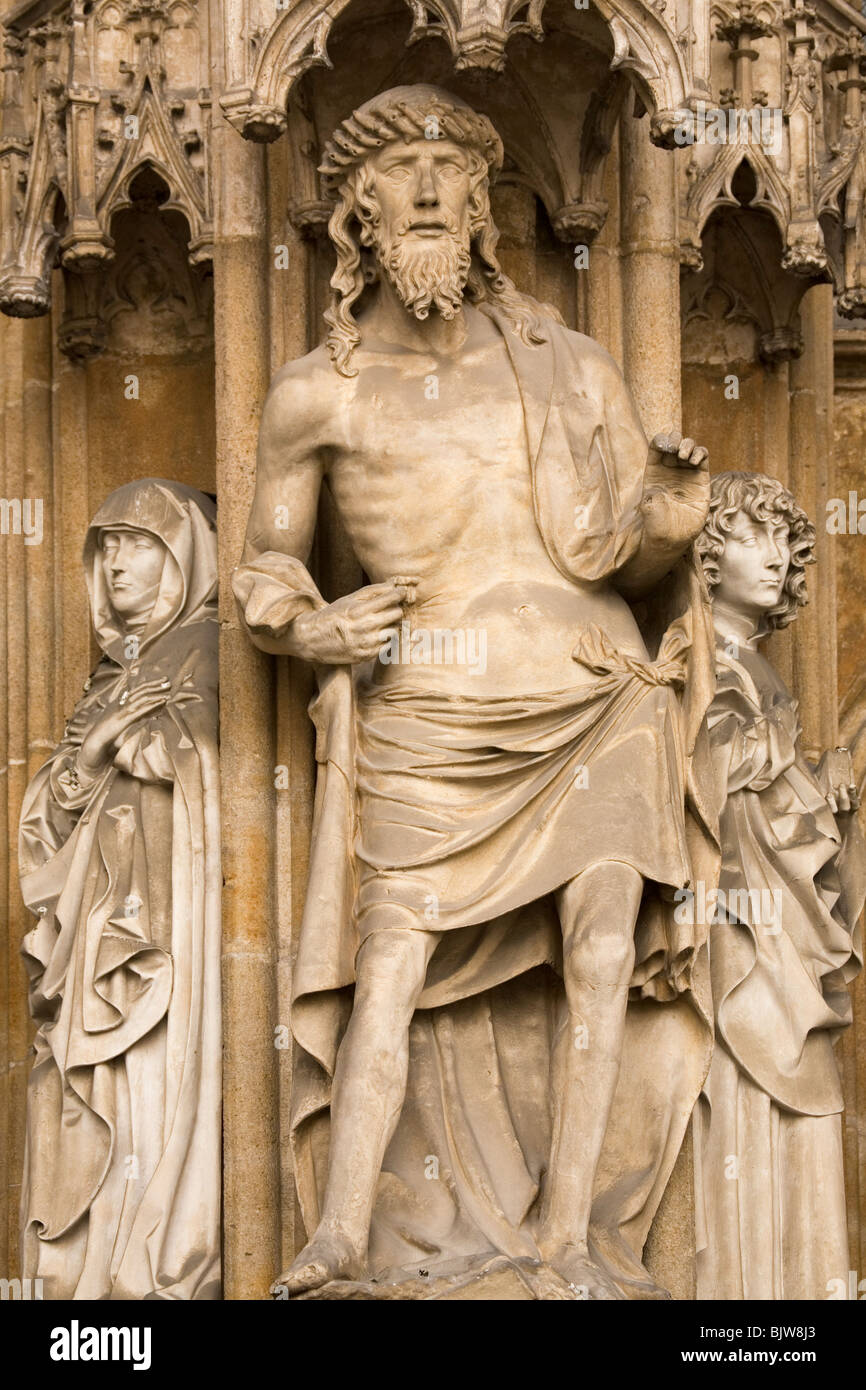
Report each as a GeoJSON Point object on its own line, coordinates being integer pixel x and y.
{"type": "Point", "coordinates": [354, 628]}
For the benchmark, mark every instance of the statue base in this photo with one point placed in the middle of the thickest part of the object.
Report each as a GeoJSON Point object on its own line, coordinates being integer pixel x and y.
{"type": "Point", "coordinates": [498, 1279]}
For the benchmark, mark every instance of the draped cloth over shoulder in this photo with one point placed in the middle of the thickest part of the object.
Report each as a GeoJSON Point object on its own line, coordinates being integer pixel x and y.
{"type": "Point", "coordinates": [499, 774]}
{"type": "Point", "coordinates": [121, 1195]}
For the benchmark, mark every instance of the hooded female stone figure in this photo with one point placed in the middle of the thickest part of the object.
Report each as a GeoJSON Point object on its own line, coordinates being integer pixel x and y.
{"type": "Point", "coordinates": [119, 854]}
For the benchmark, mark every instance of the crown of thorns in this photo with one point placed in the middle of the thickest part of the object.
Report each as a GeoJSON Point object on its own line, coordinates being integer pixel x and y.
{"type": "Point", "coordinates": [406, 115]}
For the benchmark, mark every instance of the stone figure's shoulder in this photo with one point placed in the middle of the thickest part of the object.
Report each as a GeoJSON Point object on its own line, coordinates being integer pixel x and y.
{"type": "Point", "coordinates": [305, 394]}
{"type": "Point", "coordinates": [589, 348]}
{"type": "Point", "coordinates": [585, 352]}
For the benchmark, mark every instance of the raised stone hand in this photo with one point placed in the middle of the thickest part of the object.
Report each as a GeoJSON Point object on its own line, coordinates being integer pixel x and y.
{"type": "Point", "coordinates": [354, 628]}
{"type": "Point", "coordinates": [102, 739]}
{"type": "Point", "coordinates": [835, 775]}
{"type": "Point", "coordinates": [676, 494]}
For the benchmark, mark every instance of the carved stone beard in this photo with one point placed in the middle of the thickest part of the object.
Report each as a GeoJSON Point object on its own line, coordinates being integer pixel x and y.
{"type": "Point", "coordinates": [426, 272]}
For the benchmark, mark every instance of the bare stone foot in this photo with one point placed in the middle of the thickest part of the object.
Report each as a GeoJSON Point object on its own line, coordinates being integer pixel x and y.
{"type": "Point", "coordinates": [326, 1257]}
{"type": "Point", "coordinates": [586, 1279]}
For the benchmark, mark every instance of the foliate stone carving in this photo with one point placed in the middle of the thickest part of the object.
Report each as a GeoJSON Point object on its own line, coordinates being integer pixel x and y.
{"type": "Point", "coordinates": [81, 338]}
{"type": "Point", "coordinates": [805, 255]}
{"type": "Point", "coordinates": [117, 85]}
{"type": "Point", "coordinates": [845, 179]}
{"type": "Point", "coordinates": [852, 304]}
{"type": "Point", "coordinates": [579, 222]}
{"type": "Point", "coordinates": [801, 139]}
{"type": "Point", "coordinates": [666, 125]}
{"type": "Point", "coordinates": [27, 198]}
{"type": "Point", "coordinates": [83, 331]}
{"type": "Point", "coordinates": [746, 20]}
{"type": "Point", "coordinates": [266, 55]}
{"type": "Point", "coordinates": [476, 31]}
{"type": "Point", "coordinates": [310, 217]}
{"type": "Point", "coordinates": [739, 28]}
{"type": "Point", "coordinates": [801, 87]}
{"type": "Point", "coordinates": [781, 345]}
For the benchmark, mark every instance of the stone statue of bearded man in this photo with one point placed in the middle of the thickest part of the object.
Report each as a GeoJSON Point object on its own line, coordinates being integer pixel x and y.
{"type": "Point", "coordinates": [459, 255]}
{"type": "Point", "coordinates": [500, 1025]}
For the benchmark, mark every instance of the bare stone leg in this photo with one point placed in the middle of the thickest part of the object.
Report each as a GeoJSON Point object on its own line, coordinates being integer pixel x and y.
{"type": "Point", "coordinates": [598, 910]}
{"type": "Point", "coordinates": [369, 1088]}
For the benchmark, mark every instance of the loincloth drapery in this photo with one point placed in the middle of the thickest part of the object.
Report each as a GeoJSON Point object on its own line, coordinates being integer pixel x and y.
{"type": "Point", "coordinates": [470, 813]}
{"type": "Point", "coordinates": [410, 784]}
{"type": "Point", "coordinates": [470, 808]}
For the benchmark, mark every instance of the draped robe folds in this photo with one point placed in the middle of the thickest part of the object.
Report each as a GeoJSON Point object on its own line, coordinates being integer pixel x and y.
{"type": "Point", "coordinates": [775, 1226]}
{"type": "Point", "coordinates": [462, 1175]}
{"type": "Point", "coordinates": [121, 1193]}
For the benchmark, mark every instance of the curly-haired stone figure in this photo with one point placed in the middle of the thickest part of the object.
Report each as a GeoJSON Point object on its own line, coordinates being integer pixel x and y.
{"type": "Point", "coordinates": [785, 941]}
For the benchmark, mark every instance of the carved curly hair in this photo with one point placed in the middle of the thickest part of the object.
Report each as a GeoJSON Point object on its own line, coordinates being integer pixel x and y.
{"type": "Point", "coordinates": [763, 499]}
{"type": "Point", "coordinates": [406, 113]}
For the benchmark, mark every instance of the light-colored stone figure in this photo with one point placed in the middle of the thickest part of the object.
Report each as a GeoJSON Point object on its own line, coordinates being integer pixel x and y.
{"type": "Point", "coordinates": [528, 797]}
{"type": "Point", "coordinates": [769, 1180]}
{"type": "Point", "coordinates": [119, 850]}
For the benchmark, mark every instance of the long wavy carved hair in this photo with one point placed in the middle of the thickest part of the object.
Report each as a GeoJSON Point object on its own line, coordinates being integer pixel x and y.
{"type": "Point", "coordinates": [763, 499]}
{"type": "Point", "coordinates": [354, 221]}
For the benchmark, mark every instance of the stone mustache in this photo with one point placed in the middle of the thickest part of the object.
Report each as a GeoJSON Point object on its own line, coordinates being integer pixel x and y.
{"type": "Point", "coordinates": [501, 1026]}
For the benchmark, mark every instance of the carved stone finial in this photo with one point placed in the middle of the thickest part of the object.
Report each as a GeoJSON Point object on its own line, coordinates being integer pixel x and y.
{"type": "Point", "coordinates": [24, 296]}
{"type": "Point", "coordinates": [664, 126]}
{"type": "Point", "coordinates": [310, 218]}
{"type": "Point", "coordinates": [84, 250]}
{"type": "Point", "coordinates": [579, 221]}
{"type": "Point", "coordinates": [851, 304]}
{"type": "Point", "coordinates": [476, 32]}
{"type": "Point", "coordinates": [805, 256]}
{"type": "Point", "coordinates": [781, 345]}
{"type": "Point", "coordinates": [744, 23]}
{"type": "Point", "coordinates": [263, 124]}
{"type": "Point", "coordinates": [82, 339]}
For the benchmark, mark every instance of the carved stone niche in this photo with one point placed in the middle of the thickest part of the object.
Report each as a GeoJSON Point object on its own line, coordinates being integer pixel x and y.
{"type": "Point", "coordinates": [150, 300]}
{"type": "Point", "coordinates": [741, 306]}
{"type": "Point", "coordinates": [90, 94]}
{"type": "Point", "coordinates": [556, 106]}
{"type": "Point", "coordinates": [267, 55]}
